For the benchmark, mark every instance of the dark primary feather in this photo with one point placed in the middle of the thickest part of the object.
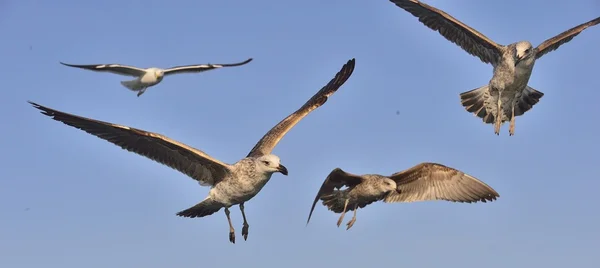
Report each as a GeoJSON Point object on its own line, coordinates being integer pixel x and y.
{"type": "Point", "coordinates": [111, 68]}
{"type": "Point", "coordinates": [202, 67]}
{"type": "Point", "coordinates": [432, 181]}
{"type": "Point", "coordinates": [266, 144]}
{"type": "Point", "coordinates": [469, 39]}
{"type": "Point", "coordinates": [336, 179]}
{"type": "Point", "coordinates": [190, 161]}
{"type": "Point", "coordinates": [564, 37]}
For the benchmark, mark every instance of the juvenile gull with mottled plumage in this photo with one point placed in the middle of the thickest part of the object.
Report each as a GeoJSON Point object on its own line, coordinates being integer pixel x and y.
{"type": "Point", "coordinates": [507, 95]}
{"type": "Point", "coordinates": [230, 184]}
{"type": "Point", "coordinates": [150, 76]}
{"type": "Point", "coordinates": [423, 182]}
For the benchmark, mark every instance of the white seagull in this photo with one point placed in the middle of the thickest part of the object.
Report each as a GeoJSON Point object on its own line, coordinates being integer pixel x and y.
{"type": "Point", "coordinates": [423, 182]}
{"type": "Point", "coordinates": [150, 76]}
{"type": "Point", "coordinates": [231, 184]}
{"type": "Point", "coordinates": [507, 95]}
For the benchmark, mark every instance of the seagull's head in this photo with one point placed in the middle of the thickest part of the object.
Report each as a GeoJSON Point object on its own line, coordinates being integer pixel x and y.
{"type": "Point", "coordinates": [388, 185]}
{"type": "Point", "coordinates": [523, 53]}
{"type": "Point", "coordinates": [270, 163]}
{"type": "Point", "coordinates": [158, 73]}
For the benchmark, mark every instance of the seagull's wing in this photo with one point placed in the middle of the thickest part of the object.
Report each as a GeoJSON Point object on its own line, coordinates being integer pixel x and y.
{"type": "Point", "coordinates": [336, 179]}
{"type": "Point", "coordinates": [111, 68]}
{"type": "Point", "coordinates": [201, 67]}
{"type": "Point", "coordinates": [469, 39]}
{"type": "Point", "coordinates": [431, 181]}
{"type": "Point", "coordinates": [266, 144]}
{"type": "Point", "coordinates": [566, 36]}
{"type": "Point", "coordinates": [190, 161]}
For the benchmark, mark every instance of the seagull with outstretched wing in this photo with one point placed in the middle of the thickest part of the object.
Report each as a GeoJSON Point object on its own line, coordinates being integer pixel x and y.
{"type": "Point", "coordinates": [507, 95]}
{"type": "Point", "coordinates": [423, 182]}
{"type": "Point", "coordinates": [146, 78]}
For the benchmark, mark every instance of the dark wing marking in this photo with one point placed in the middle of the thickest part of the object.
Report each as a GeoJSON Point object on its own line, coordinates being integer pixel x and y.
{"type": "Point", "coordinates": [111, 68]}
{"type": "Point", "coordinates": [469, 39]}
{"type": "Point", "coordinates": [201, 67]}
{"type": "Point", "coordinates": [266, 144]}
{"type": "Point", "coordinates": [190, 161]}
{"type": "Point", "coordinates": [431, 181]}
{"type": "Point", "coordinates": [336, 179]}
{"type": "Point", "coordinates": [566, 36]}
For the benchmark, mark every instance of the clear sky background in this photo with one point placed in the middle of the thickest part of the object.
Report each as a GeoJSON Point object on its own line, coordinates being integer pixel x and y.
{"type": "Point", "coordinates": [69, 199]}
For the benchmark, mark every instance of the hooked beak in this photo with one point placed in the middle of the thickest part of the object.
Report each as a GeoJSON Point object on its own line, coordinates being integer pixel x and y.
{"type": "Point", "coordinates": [398, 190]}
{"type": "Point", "coordinates": [524, 56]}
{"type": "Point", "coordinates": [282, 169]}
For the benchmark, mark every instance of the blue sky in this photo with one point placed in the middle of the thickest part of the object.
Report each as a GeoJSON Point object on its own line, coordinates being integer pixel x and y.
{"type": "Point", "coordinates": [69, 199]}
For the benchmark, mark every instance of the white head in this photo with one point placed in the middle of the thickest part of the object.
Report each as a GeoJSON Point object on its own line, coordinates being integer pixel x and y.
{"type": "Point", "coordinates": [524, 53]}
{"type": "Point", "coordinates": [270, 164]}
{"type": "Point", "coordinates": [158, 73]}
{"type": "Point", "coordinates": [388, 185]}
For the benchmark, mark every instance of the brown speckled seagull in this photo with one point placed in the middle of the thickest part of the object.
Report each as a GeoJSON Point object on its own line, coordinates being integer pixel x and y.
{"type": "Point", "coordinates": [507, 95]}
{"type": "Point", "coordinates": [423, 182]}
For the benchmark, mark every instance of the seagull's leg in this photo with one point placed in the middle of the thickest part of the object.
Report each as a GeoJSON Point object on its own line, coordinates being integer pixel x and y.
{"type": "Point", "coordinates": [353, 220]}
{"type": "Point", "coordinates": [245, 228]}
{"type": "Point", "coordinates": [231, 230]}
{"type": "Point", "coordinates": [141, 91]}
{"type": "Point", "coordinates": [343, 212]}
{"type": "Point", "coordinates": [511, 129]}
{"type": "Point", "coordinates": [499, 114]}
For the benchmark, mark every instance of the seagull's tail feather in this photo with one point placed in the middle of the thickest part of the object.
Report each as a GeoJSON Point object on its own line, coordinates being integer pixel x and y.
{"type": "Point", "coordinates": [474, 102]}
{"type": "Point", "coordinates": [134, 85]}
{"type": "Point", "coordinates": [204, 208]}
{"type": "Point", "coordinates": [529, 98]}
{"type": "Point", "coordinates": [335, 202]}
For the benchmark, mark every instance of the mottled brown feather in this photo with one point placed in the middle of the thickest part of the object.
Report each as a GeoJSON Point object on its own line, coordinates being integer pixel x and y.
{"type": "Point", "coordinates": [432, 181]}
{"type": "Point", "coordinates": [190, 161]}
{"type": "Point", "coordinates": [266, 144]}
{"type": "Point", "coordinates": [336, 179]}
{"type": "Point", "coordinates": [469, 39]}
{"type": "Point", "coordinates": [564, 37]}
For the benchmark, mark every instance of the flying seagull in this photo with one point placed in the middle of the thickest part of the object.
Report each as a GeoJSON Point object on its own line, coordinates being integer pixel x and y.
{"type": "Point", "coordinates": [150, 76]}
{"type": "Point", "coordinates": [507, 95]}
{"type": "Point", "coordinates": [423, 182]}
{"type": "Point", "coordinates": [231, 184]}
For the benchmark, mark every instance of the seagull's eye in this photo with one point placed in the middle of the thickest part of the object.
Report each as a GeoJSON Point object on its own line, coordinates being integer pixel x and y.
{"type": "Point", "coordinates": [527, 50]}
{"type": "Point", "coordinates": [266, 163]}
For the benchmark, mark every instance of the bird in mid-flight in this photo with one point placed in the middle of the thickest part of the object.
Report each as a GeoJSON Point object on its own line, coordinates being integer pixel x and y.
{"type": "Point", "coordinates": [423, 182]}
{"type": "Point", "coordinates": [231, 184]}
{"type": "Point", "coordinates": [507, 95]}
{"type": "Point", "coordinates": [150, 76]}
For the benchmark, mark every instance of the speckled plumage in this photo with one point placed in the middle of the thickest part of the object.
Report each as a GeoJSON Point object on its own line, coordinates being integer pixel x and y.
{"type": "Point", "coordinates": [423, 182]}
{"type": "Point", "coordinates": [507, 95]}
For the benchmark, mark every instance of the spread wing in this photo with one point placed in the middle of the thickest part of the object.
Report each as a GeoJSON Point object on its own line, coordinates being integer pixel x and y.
{"type": "Point", "coordinates": [566, 36]}
{"type": "Point", "coordinates": [201, 67]}
{"type": "Point", "coordinates": [266, 144]}
{"type": "Point", "coordinates": [335, 180]}
{"type": "Point", "coordinates": [111, 68]}
{"type": "Point", "coordinates": [469, 39]}
{"type": "Point", "coordinates": [190, 161]}
{"type": "Point", "coordinates": [431, 181]}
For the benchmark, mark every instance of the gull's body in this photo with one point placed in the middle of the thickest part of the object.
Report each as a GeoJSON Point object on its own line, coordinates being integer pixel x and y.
{"type": "Point", "coordinates": [423, 182]}
{"type": "Point", "coordinates": [507, 95]}
{"type": "Point", "coordinates": [231, 184]}
{"type": "Point", "coordinates": [146, 78]}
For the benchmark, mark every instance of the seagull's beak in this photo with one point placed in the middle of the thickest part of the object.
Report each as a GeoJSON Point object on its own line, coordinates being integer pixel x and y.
{"type": "Point", "coordinates": [281, 168]}
{"type": "Point", "coordinates": [398, 190]}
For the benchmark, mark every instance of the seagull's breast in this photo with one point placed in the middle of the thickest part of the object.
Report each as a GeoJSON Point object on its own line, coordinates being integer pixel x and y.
{"type": "Point", "coordinates": [149, 78]}
{"type": "Point", "coordinates": [242, 186]}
